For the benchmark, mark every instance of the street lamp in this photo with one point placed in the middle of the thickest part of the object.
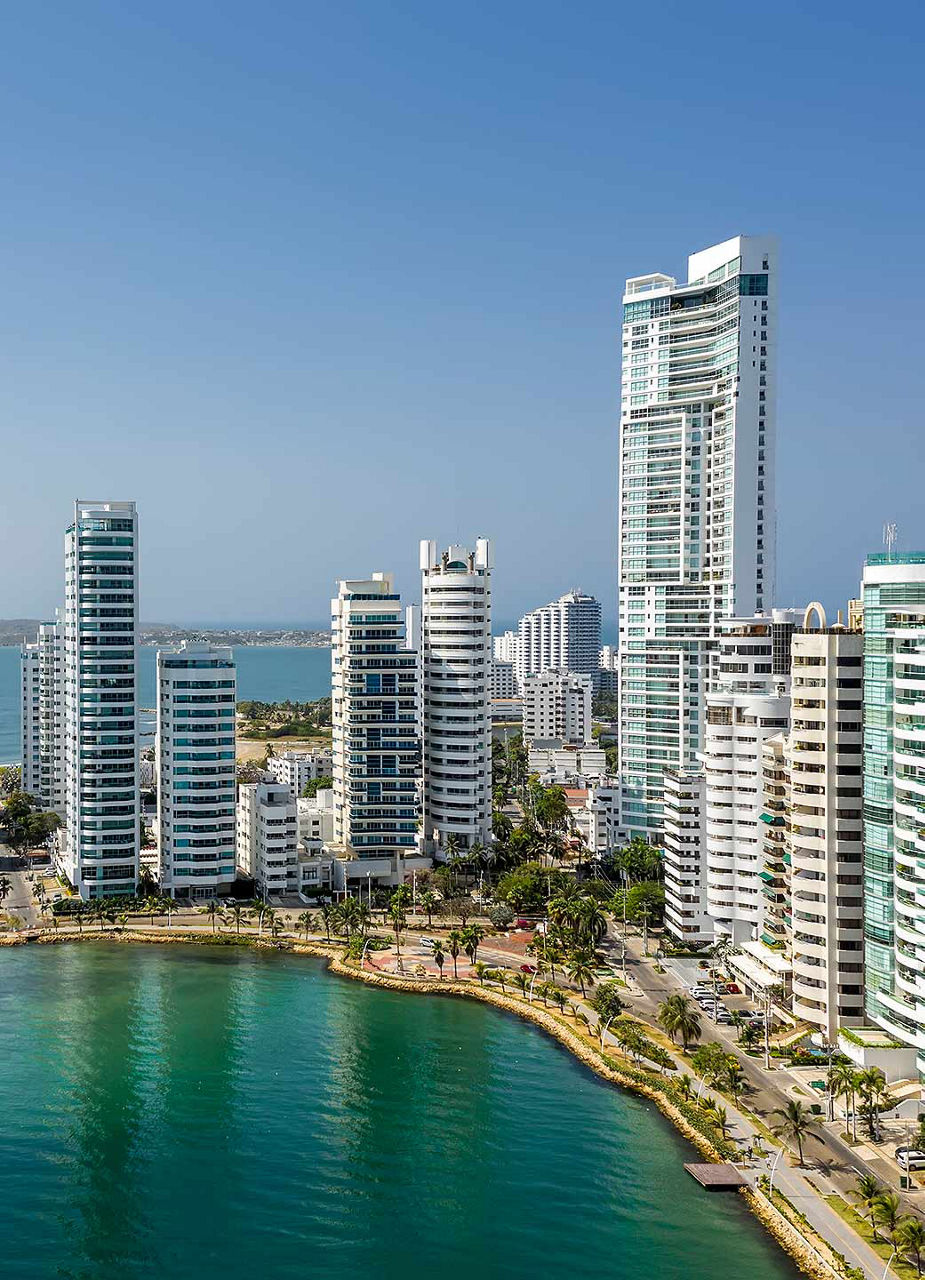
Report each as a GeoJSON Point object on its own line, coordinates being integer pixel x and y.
{"type": "Point", "coordinates": [774, 1164]}
{"type": "Point", "coordinates": [886, 1269]}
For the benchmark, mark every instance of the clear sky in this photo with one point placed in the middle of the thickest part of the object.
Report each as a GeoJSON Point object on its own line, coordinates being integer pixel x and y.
{"type": "Point", "coordinates": [310, 281]}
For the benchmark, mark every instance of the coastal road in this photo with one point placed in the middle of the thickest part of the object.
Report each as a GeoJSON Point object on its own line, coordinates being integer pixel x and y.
{"type": "Point", "coordinates": [19, 901]}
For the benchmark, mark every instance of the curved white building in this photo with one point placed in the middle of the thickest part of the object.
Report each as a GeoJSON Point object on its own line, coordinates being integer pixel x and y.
{"type": "Point", "coordinates": [456, 656]}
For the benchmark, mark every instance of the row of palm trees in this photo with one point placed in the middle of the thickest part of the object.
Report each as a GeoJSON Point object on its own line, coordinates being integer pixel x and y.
{"type": "Point", "coordinates": [883, 1210]}
{"type": "Point", "coordinates": [867, 1088]}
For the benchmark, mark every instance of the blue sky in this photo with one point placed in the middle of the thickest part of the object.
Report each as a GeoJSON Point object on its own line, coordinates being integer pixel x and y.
{"type": "Point", "coordinates": [312, 281]}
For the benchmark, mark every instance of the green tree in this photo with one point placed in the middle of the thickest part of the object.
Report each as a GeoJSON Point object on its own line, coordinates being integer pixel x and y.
{"type": "Point", "coordinates": [454, 944]}
{"type": "Point", "coordinates": [888, 1210]}
{"type": "Point", "coordinates": [909, 1236]}
{"type": "Point", "coordinates": [679, 1017]}
{"type": "Point", "coordinates": [326, 911]}
{"type": "Point", "coordinates": [606, 1001]}
{"type": "Point", "coordinates": [314, 785]}
{"type": "Point", "coordinates": [214, 911]}
{"type": "Point", "coordinates": [439, 958]}
{"type": "Point", "coordinates": [430, 901]}
{"type": "Point", "coordinates": [521, 981]}
{"type": "Point", "coordinates": [581, 969]}
{"type": "Point", "coordinates": [6, 888]}
{"type": "Point", "coordinates": [796, 1124]}
{"type": "Point", "coordinates": [304, 922]}
{"type": "Point", "coordinates": [866, 1194]}
{"type": "Point", "coordinates": [472, 937]}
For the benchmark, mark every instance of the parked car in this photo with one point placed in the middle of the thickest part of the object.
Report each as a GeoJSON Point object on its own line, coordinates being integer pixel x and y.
{"type": "Point", "coordinates": [910, 1158]}
{"type": "Point", "coordinates": [524, 924]}
{"type": "Point", "coordinates": [527, 968]}
{"type": "Point", "coordinates": [428, 942]}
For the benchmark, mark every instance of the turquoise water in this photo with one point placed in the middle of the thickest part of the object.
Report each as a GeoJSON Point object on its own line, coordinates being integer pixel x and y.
{"type": "Point", "coordinates": [270, 674]}
{"type": "Point", "coordinates": [211, 1114]}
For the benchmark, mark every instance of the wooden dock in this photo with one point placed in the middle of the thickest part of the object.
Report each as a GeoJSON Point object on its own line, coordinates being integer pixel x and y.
{"type": "Point", "coordinates": [717, 1177]}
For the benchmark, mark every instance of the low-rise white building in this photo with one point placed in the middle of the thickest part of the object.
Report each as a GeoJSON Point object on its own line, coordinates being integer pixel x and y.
{"type": "Point", "coordinates": [295, 769]}
{"type": "Point", "coordinates": [316, 819]}
{"type": "Point", "coordinates": [557, 708]}
{"type": "Point", "coordinates": [558, 762]}
{"type": "Point", "coordinates": [268, 836]}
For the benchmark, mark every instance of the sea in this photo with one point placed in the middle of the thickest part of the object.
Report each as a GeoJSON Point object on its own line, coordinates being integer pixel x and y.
{"type": "Point", "coordinates": [271, 673]}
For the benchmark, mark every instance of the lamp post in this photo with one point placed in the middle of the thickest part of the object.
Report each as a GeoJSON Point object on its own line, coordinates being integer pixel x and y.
{"type": "Point", "coordinates": [886, 1269]}
{"type": "Point", "coordinates": [774, 1164]}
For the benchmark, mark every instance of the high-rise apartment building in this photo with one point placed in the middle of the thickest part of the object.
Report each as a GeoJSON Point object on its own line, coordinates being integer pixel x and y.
{"type": "Point", "coordinates": [376, 748]}
{"type": "Point", "coordinates": [99, 851]}
{"type": "Point", "coordinates": [30, 718]}
{"type": "Point", "coordinates": [894, 794]}
{"type": "Point", "coordinates": [825, 831]}
{"type": "Point", "coordinates": [196, 770]}
{"type": "Point", "coordinates": [564, 635]}
{"type": "Point", "coordinates": [456, 657]}
{"type": "Point", "coordinates": [696, 507]}
{"type": "Point", "coordinates": [747, 702]}
{"type": "Point", "coordinates": [557, 705]}
{"type": "Point", "coordinates": [51, 716]}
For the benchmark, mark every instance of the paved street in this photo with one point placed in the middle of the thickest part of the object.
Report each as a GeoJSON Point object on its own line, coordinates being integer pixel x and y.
{"type": "Point", "coordinates": [20, 901]}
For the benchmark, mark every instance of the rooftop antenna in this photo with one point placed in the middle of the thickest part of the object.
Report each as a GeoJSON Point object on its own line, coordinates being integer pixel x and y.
{"type": "Point", "coordinates": [889, 537]}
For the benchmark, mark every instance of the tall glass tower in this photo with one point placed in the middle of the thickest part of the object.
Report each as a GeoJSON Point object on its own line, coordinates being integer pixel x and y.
{"type": "Point", "coordinates": [101, 844]}
{"type": "Point", "coordinates": [696, 505]}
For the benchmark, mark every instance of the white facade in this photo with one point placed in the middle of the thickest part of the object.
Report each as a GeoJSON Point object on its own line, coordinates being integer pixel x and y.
{"type": "Point", "coordinates": [316, 819]}
{"type": "Point", "coordinates": [196, 770]}
{"type": "Point", "coordinates": [504, 647]}
{"type": "Point", "coordinates": [51, 716]}
{"type": "Point", "coordinates": [826, 833]}
{"type": "Point", "coordinates": [686, 915]}
{"type": "Point", "coordinates": [376, 754]}
{"type": "Point", "coordinates": [557, 762]}
{"type": "Point", "coordinates": [557, 706]}
{"type": "Point", "coordinates": [268, 836]}
{"type": "Point", "coordinates": [564, 635]}
{"type": "Point", "coordinates": [456, 656]}
{"type": "Point", "coordinates": [297, 768]}
{"type": "Point", "coordinates": [100, 845]}
{"type": "Point", "coordinates": [696, 518]}
{"type": "Point", "coordinates": [748, 704]}
{"type": "Point", "coordinates": [30, 719]}
{"type": "Point", "coordinates": [608, 680]}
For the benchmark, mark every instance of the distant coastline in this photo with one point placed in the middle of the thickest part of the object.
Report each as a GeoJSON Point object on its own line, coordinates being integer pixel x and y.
{"type": "Point", "coordinates": [14, 631]}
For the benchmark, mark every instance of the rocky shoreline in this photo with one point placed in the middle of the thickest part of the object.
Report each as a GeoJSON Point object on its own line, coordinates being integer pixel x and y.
{"type": "Point", "coordinates": [787, 1236]}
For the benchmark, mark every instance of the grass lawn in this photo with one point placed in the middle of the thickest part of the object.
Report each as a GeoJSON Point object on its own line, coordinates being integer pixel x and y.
{"type": "Point", "coordinates": [880, 1246]}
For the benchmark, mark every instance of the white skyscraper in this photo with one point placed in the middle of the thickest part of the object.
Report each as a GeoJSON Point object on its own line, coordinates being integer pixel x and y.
{"type": "Point", "coordinates": [376, 749]}
{"type": "Point", "coordinates": [99, 851]}
{"type": "Point", "coordinates": [696, 501]}
{"type": "Point", "coordinates": [196, 776]}
{"type": "Point", "coordinates": [456, 657]}
{"type": "Point", "coordinates": [30, 719]}
{"type": "Point", "coordinates": [564, 635]}
{"type": "Point", "coordinates": [557, 705]}
{"type": "Point", "coordinates": [51, 716]}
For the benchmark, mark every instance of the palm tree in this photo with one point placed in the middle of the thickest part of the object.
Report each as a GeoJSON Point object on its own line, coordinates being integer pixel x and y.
{"type": "Point", "coordinates": [304, 922]}
{"type": "Point", "coordinates": [429, 904]}
{"type": "Point", "coordinates": [667, 1015]}
{"type": "Point", "coordinates": [581, 971]}
{"type": "Point", "coordinates": [521, 981]}
{"type": "Point", "coordinates": [6, 888]}
{"type": "Point", "coordinates": [592, 923]}
{"type": "Point", "coordinates": [152, 906]}
{"type": "Point", "coordinates": [276, 926]}
{"type": "Point", "coordinates": [480, 970]}
{"type": "Point", "coordinates": [258, 911]}
{"type": "Point", "coordinates": [871, 1085]}
{"type": "Point", "coordinates": [796, 1123]}
{"type": "Point", "coordinates": [734, 1079]}
{"type": "Point", "coordinates": [887, 1210]}
{"type": "Point", "coordinates": [909, 1235]}
{"type": "Point", "coordinates": [439, 958]}
{"type": "Point", "coordinates": [213, 910]}
{"type": "Point", "coordinates": [399, 920]}
{"type": "Point", "coordinates": [867, 1194]}
{"type": "Point", "coordinates": [558, 997]}
{"type": "Point", "coordinates": [678, 1017]}
{"type": "Point", "coordinates": [268, 918]}
{"type": "Point", "coordinates": [737, 1020]}
{"type": "Point", "coordinates": [327, 917]}
{"type": "Point", "coordinates": [720, 1120]}
{"type": "Point", "coordinates": [749, 1036]}
{"type": "Point", "coordinates": [841, 1083]}
{"type": "Point", "coordinates": [454, 942]}
{"type": "Point", "coordinates": [501, 978]}
{"type": "Point", "coordinates": [472, 935]}
{"type": "Point", "coordinates": [685, 1085]}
